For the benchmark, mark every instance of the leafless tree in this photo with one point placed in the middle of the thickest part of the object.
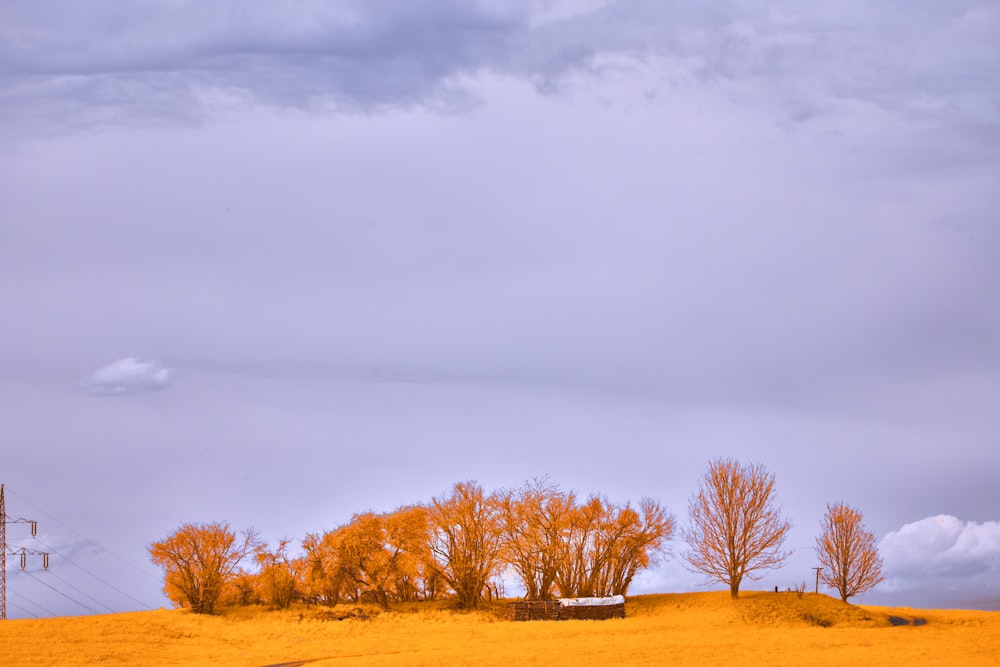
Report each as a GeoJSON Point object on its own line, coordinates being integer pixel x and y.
{"type": "Point", "coordinates": [847, 551]}
{"type": "Point", "coordinates": [736, 530]}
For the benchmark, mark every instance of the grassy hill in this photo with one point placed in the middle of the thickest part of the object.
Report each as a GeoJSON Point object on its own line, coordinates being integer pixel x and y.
{"type": "Point", "coordinates": [690, 628]}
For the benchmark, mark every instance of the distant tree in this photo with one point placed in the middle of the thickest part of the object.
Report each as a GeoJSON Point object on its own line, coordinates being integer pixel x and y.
{"type": "Point", "coordinates": [847, 551]}
{"type": "Point", "coordinates": [277, 578]}
{"type": "Point", "coordinates": [735, 529]}
{"type": "Point", "coordinates": [243, 590]}
{"type": "Point", "coordinates": [466, 541]}
{"type": "Point", "coordinates": [200, 560]}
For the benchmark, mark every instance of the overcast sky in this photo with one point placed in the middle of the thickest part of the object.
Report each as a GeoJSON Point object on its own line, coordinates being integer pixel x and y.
{"type": "Point", "coordinates": [275, 263]}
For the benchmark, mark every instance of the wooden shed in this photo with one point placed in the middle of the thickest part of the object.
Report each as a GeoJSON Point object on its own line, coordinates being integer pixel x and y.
{"type": "Point", "coordinates": [565, 609]}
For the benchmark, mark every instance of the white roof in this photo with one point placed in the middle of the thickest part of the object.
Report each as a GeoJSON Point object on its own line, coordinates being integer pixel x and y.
{"type": "Point", "coordinates": [592, 602]}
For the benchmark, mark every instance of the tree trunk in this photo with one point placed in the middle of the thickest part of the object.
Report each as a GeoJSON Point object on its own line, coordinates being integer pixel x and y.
{"type": "Point", "coordinates": [734, 590]}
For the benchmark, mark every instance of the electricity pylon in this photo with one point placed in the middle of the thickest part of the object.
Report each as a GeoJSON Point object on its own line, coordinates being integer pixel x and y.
{"type": "Point", "coordinates": [22, 552]}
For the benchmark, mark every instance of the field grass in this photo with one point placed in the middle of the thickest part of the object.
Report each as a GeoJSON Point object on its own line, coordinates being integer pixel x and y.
{"type": "Point", "coordinates": [690, 628]}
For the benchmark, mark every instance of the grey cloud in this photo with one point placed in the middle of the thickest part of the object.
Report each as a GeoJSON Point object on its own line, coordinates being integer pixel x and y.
{"type": "Point", "coordinates": [127, 376]}
{"type": "Point", "coordinates": [141, 60]}
{"type": "Point", "coordinates": [286, 54]}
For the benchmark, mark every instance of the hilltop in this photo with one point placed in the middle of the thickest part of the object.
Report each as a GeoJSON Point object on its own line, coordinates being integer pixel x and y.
{"type": "Point", "coordinates": [688, 628]}
{"type": "Point", "coordinates": [775, 610]}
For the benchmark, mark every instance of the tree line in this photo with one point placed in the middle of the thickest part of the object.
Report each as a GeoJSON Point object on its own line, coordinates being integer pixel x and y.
{"type": "Point", "coordinates": [554, 543]}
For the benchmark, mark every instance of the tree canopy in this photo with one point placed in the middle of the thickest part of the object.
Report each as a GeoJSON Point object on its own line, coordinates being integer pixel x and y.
{"type": "Point", "coordinates": [200, 560]}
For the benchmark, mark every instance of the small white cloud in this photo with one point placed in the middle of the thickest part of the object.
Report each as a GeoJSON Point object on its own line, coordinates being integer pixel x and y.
{"type": "Point", "coordinates": [939, 549]}
{"type": "Point", "coordinates": [128, 376]}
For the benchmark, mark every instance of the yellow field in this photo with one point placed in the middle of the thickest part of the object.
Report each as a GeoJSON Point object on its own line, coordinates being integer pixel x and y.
{"type": "Point", "coordinates": [681, 629]}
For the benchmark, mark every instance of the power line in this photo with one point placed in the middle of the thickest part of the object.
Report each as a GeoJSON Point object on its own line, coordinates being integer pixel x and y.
{"type": "Point", "coordinates": [88, 539]}
{"type": "Point", "coordinates": [84, 593]}
{"type": "Point", "coordinates": [50, 613]}
{"type": "Point", "coordinates": [53, 588]}
{"type": "Point", "coordinates": [88, 572]}
{"type": "Point", "coordinates": [30, 613]}
{"type": "Point", "coordinates": [24, 552]}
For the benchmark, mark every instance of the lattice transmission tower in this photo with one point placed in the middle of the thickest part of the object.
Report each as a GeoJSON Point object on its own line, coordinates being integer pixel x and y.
{"type": "Point", "coordinates": [5, 551]}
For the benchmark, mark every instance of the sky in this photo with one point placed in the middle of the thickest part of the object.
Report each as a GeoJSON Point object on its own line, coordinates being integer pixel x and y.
{"type": "Point", "coordinates": [275, 263]}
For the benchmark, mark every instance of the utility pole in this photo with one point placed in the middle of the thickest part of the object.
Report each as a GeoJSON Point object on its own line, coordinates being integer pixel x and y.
{"type": "Point", "coordinates": [818, 569]}
{"type": "Point", "coordinates": [22, 552]}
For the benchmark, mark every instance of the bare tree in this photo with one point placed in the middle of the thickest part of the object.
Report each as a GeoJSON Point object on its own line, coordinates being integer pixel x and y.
{"type": "Point", "coordinates": [736, 530]}
{"type": "Point", "coordinates": [466, 541]}
{"type": "Point", "coordinates": [200, 561]}
{"type": "Point", "coordinates": [847, 551]}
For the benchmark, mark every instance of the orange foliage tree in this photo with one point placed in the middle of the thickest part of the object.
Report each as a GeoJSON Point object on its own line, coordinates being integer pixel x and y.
{"type": "Point", "coordinates": [407, 533]}
{"type": "Point", "coordinates": [277, 578]}
{"type": "Point", "coordinates": [322, 581]}
{"type": "Point", "coordinates": [607, 544]}
{"type": "Point", "coordinates": [466, 541]}
{"type": "Point", "coordinates": [461, 541]}
{"type": "Point", "coordinates": [735, 528]}
{"type": "Point", "coordinates": [535, 524]}
{"type": "Point", "coordinates": [200, 561]}
{"type": "Point", "coordinates": [595, 549]}
{"type": "Point", "coordinates": [382, 556]}
{"type": "Point", "coordinates": [243, 590]}
{"type": "Point", "coordinates": [847, 551]}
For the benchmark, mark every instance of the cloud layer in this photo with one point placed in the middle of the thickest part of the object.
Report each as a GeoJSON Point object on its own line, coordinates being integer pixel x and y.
{"type": "Point", "coordinates": [128, 376]}
{"type": "Point", "coordinates": [112, 63]}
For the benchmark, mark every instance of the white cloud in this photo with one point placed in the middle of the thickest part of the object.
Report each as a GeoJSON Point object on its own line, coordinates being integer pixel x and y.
{"type": "Point", "coordinates": [128, 376]}
{"type": "Point", "coordinates": [941, 550]}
